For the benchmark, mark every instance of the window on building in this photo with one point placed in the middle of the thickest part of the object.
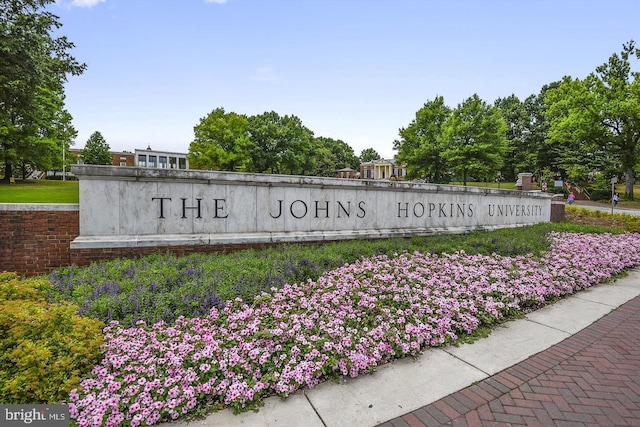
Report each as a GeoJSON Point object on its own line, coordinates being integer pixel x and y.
{"type": "Point", "coordinates": [153, 161]}
{"type": "Point", "coordinates": [142, 160]}
{"type": "Point", "coordinates": [162, 162]}
{"type": "Point", "coordinates": [182, 163]}
{"type": "Point", "coordinates": [172, 162]}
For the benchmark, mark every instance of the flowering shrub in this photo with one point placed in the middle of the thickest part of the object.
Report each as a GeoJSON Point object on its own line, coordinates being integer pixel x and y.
{"type": "Point", "coordinates": [44, 348]}
{"type": "Point", "coordinates": [347, 322]}
{"type": "Point", "coordinates": [165, 287]}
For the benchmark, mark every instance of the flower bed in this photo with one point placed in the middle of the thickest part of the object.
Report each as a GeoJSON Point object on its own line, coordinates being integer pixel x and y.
{"type": "Point", "coordinates": [349, 321]}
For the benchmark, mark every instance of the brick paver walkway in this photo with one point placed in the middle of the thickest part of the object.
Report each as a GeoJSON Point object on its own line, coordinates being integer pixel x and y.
{"type": "Point", "coordinates": [589, 379]}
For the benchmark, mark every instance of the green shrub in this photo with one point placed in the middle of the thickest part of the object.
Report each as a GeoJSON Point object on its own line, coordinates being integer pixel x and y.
{"type": "Point", "coordinates": [11, 288]}
{"type": "Point", "coordinates": [600, 194]}
{"type": "Point", "coordinates": [45, 349]}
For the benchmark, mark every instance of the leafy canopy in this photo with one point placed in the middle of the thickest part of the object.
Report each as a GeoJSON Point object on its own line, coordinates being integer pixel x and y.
{"type": "Point", "coordinates": [420, 145]}
{"type": "Point", "coordinates": [221, 142]}
{"type": "Point", "coordinates": [33, 122]}
{"type": "Point", "coordinates": [368, 155]}
{"type": "Point", "coordinates": [331, 155]}
{"type": "Point", "coordinates": [599, 116]}
{"type": "Point", "coordinates": [474, 139]}
{"type": "Point", "coordinates": [280, 144]}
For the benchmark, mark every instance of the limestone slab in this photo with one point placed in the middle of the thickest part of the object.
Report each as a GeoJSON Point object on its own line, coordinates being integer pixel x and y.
{"type": "Point", "coordinates": [129, 202]}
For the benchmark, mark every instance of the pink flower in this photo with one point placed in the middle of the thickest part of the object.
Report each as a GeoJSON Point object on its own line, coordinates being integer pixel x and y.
{"type": "Point", "coordinates": [347, 322]}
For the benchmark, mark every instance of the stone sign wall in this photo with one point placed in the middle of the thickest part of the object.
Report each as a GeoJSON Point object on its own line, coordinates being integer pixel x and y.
{"type": "Point", "coordinates": [138, 207]}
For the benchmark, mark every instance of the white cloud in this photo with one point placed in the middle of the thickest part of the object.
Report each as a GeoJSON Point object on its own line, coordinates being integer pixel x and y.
{"type": "Point", "coordinates": [264, 74]}
{"type": "Point", "coordinates": [86, 3]}
{"type": "Point", "coordinates": [215, 1]}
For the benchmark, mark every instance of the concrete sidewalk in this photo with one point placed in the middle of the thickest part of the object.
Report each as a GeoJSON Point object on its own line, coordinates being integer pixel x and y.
{"type": "Point", "coordinates": [417, 392]}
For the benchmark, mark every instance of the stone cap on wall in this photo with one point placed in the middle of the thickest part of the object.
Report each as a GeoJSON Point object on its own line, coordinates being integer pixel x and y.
{"type": "Point", "coordinates": [115, 173]}
{"type": "Point", "coordinates": [39, 207]}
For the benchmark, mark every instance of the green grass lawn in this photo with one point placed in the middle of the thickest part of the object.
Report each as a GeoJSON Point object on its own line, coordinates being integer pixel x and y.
{"type": "Point", "coordinates": [501, 186]}
{"type": "Point", "coordinates": [40, 191]}
{"type": "Point", "coordinates": [44, 191]}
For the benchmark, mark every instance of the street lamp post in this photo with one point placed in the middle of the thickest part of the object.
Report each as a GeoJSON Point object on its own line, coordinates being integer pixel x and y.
{"type": "Point", "coordinates": [613, 188]}
{"type": "Point", "coordinates": [64, 162]}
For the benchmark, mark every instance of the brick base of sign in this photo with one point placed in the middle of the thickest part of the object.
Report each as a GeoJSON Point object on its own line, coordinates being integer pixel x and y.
{"type": "Point", "coordinates": [35, 241]}
{"type": "Point", "coordinates": [557, 211]}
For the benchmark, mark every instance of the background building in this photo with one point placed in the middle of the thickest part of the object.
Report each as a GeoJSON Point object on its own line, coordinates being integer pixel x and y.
{"type": "Point", "coordinates": [383, 169]}
{"type": "Point", "coordinates": [160, 159]}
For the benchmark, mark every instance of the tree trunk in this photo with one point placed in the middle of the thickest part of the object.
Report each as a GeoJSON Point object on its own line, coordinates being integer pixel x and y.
{"type": "Point", "coordinates": [8, 172]}
{"type": "Point", "coordinates": [629, 180]}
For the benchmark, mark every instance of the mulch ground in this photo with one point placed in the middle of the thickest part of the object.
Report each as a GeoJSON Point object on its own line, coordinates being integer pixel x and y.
{"type": "Point", "coordinates": [594, 220]}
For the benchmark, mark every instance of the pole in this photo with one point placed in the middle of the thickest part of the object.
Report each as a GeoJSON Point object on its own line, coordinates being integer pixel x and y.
{"type": "Point", "coordinates": [613, 188]}
{"type": "Point", "coordinates": [64, 162]}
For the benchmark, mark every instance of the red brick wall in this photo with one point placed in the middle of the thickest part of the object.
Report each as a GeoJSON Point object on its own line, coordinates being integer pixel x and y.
{"type": "Point", "coordinates": [34, 241]}
{"type": "Point", "coordinates": [557, 210]}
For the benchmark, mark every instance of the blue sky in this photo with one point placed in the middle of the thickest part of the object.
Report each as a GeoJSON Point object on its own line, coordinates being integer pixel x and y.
{"type": "Point", "coordinates": [355, 70]}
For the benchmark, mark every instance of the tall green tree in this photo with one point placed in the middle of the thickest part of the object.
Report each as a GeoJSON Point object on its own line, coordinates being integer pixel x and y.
{"type": "Point", "coordinates": [53, 133]}
{"type": "Point", "coordinates": [324, 161]}
{"type": "Point", "coordinates": [221, 142]}
{"type": "Point", "coordinates": [523, 156]}
{"type": "Point", "coordinates": [536, 131]}
{"type": "Point", "coordinates": [96, 151]}
{"type": "Point", "coordinates": [474, 139]}
{"type": "Point", "coordinates": [601, 114]}
{"type": "Point", "coordinates": [333, 154]}
{"type": "Point", "coordinates": [280, 144]}
{"type": "Point", "coordinates": [420, 147]}
{"type": "Point", "coordinates": [368, 155]}
{"type": "Point", "coordinates": [33, 70]}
